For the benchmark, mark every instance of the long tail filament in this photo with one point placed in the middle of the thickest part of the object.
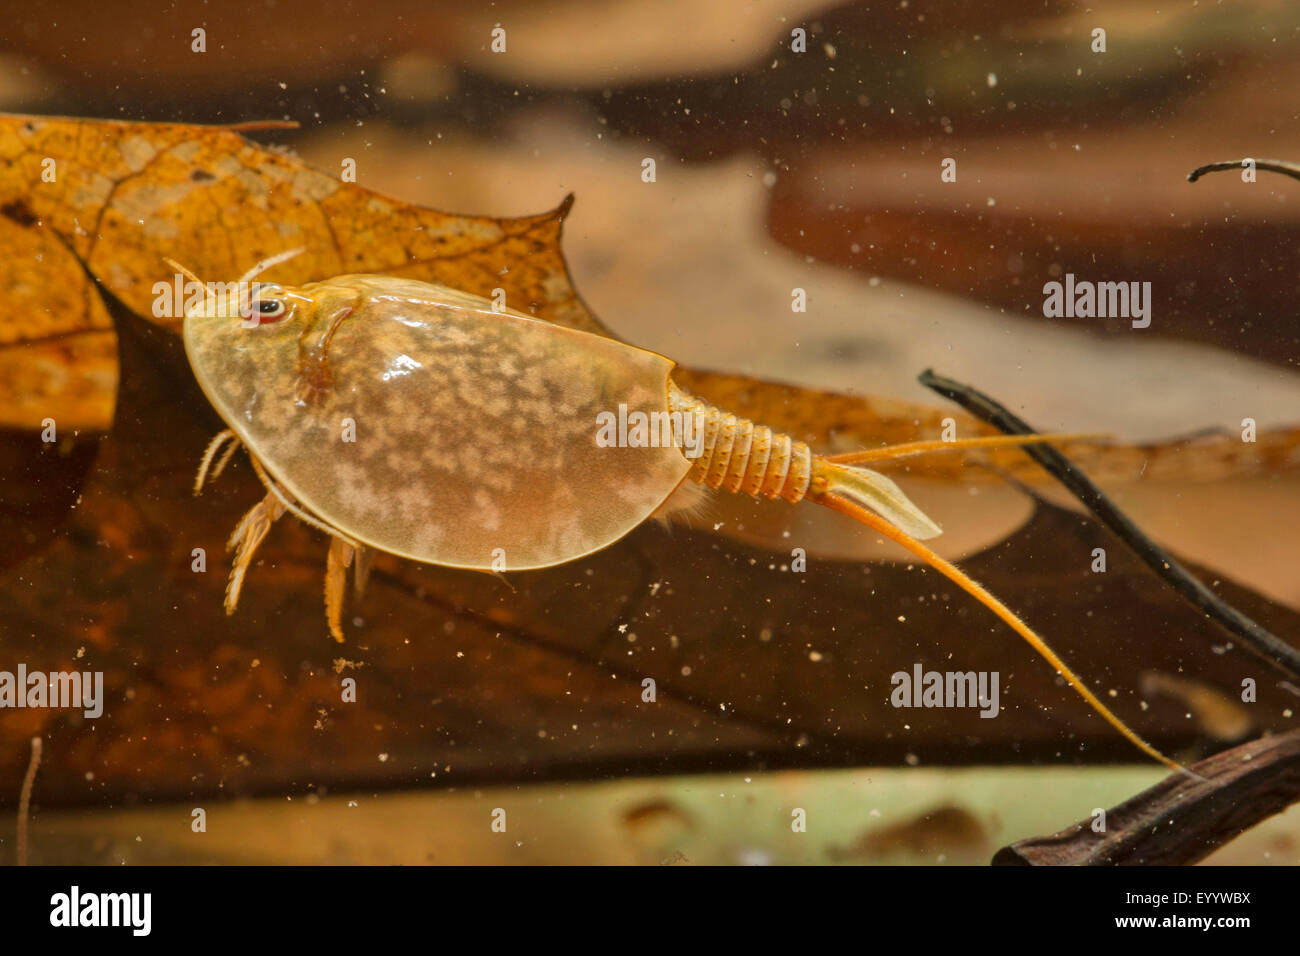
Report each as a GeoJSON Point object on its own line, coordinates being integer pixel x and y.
{"type": "Point", "coordinates": [743, 457]}
{"type": "Point", "coordinates": [979, 593]}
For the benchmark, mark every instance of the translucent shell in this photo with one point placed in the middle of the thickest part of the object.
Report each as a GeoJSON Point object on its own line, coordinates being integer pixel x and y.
{"type": "Point", "coordinates": [420, 421]}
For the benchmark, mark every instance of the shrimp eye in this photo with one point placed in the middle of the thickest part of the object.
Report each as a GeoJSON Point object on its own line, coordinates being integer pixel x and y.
{"type": "Point", "coordinates": [268, 310]}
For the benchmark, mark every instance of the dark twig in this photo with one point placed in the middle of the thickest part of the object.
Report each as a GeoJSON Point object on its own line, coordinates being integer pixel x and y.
{"type": "Point", "coordinates": [25, 799]}
{"type": "Point", "coordinates": [1272, 165]}
{"type": "Point", "coordinates": [1179, 821]}
{"type": "Point", "coordinates": [1256, 639]}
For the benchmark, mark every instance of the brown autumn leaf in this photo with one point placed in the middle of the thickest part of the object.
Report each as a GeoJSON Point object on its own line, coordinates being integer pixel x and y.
{"type": "Point", "coordinates": [464, 678]}
{"type": "Point", "coordinates": [468, 679]}
{"type": "Point", "coordinates": [122, 196]}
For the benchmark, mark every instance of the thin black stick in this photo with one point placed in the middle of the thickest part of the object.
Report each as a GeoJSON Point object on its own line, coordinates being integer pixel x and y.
{"type": "Point", "coordinates": [1259, 641]}
{"type": "Point", "coordinates": [1272, 165]}
{"type": "Point", "coordinates": [1178, 822]}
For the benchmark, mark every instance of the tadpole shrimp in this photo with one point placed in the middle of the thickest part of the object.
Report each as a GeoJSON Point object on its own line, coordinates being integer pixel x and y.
{"type": "Point", "coordinates": [475, 438]}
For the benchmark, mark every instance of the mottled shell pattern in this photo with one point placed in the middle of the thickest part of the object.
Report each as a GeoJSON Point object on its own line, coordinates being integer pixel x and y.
{"type": "Point", "coordinates": [421, 421]}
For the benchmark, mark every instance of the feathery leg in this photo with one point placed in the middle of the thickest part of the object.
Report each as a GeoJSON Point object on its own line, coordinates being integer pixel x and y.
{"type": "Point", "coordinates": [292, 508]}
{"type": "Point", "coordinates": [209, 453]}
{"type": "Point", "coordinates": [336, 575]}
{"type": "Point", "coordinates": [244, 541]}
{"type": "Point", "coordinates": [225, 459]}
{"type": "Point", "coordinates": [254, 527]}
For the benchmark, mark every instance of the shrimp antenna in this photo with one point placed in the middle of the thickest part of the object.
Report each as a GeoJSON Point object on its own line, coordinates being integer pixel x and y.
{"type": "Point", "coordinates": [262, 265]}
{"type": "Point", "coordinates": [208, 294]}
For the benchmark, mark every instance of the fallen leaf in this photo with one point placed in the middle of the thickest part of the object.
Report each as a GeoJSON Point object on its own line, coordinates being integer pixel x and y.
{"type": "Point", "coordinates": [463, 677]}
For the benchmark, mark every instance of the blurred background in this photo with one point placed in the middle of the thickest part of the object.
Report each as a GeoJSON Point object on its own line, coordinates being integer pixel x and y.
{"type": "Point", "coordinates": [776, 169]}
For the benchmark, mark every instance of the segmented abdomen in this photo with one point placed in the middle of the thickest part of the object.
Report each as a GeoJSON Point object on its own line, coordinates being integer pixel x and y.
{"type": "Point", "coordinates": [738, 455]}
